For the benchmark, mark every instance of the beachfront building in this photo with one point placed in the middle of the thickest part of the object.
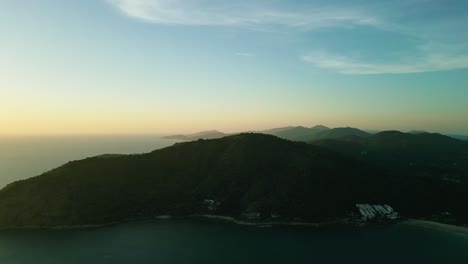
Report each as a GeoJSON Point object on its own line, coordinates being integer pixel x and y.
{"type": "Point", "coordinates": [211, 205]}
{"type": "Point", "coordinates": [372, 212]}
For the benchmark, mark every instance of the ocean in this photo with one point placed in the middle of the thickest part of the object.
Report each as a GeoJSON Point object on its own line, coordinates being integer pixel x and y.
{"type": "Point", "coordinates": [22, 157]}
{"type": "Point", "coordinates": [204, 242]}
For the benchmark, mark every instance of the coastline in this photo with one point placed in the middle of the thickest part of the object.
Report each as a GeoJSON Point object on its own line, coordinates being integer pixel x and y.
{"type": "Point", "coordinates": [436, 225]}
{"type": "Point", "coordinates": [217, 218]}
{"type": "Point", "coordinates": [84, 226]}
{"type": "Point", "coordinates": [233, 220]}
{"type": "Point", "coordinates": [229, 219]}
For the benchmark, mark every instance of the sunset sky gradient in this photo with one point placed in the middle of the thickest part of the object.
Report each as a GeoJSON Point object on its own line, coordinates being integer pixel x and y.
{"type": "Point", "coordinates": [165, 66]}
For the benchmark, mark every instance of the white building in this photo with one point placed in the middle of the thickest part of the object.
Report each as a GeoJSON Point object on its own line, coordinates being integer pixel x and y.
{"type": "Point", "coordinates": [376, 212]}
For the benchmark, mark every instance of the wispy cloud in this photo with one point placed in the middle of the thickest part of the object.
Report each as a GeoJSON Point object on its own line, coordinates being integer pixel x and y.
{"type": "Point", "coordinates": [239, 13]}
{"type": "Point", "coordinates": [347, 65]}
{"type": "Point", "coordinates": [440, 46]}
{"type": "Point", "coordinates": [380, 20]}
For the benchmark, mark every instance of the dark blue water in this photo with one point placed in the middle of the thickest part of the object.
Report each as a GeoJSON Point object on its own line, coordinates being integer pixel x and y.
{"type": "Point", "coordinates": [207, 242]}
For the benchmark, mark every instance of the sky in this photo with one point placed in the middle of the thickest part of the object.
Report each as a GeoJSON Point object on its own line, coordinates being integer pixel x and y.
{"type": "Point", "coordinates": [166, 66]}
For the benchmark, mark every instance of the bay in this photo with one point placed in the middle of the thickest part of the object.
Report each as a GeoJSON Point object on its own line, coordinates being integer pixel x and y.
{"type": "Point", "coordinates": [192, 241]}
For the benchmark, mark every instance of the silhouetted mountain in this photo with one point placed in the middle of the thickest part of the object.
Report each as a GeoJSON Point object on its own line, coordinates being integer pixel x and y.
{"type": "Point", "coordinates": [299, 133]}
{"type": "Point", "coordinates": [417, 132]}
{"type": "Point", "coordinates": [288, 132]}
{"type": "Point", "coordinates": [273, 130]}
{"type": "Point", "coordinates": [432, 155]}
{"type": "Point", "coordinates": [319, 128]}
{"type": "Point", "coordinates": [315, 133]}
{"type": "Point", "coordinates": [341, 132]}
{"type": "Point", "coordinates": [244, 173]}
{"type": "Point", "coordinates": [426, 144]}
{"type": "Point", "coordinates": [461, 137]}
{"type": "Point", "coordinates": [212, 134]}
{"type": "Point", "coordinates": [296, 133]}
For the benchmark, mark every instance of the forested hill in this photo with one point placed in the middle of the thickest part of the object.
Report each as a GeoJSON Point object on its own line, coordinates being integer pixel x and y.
{"type": "Point", "coordinates": [407, 151]}
{"type": "Point", "coordinates": [244, 173]}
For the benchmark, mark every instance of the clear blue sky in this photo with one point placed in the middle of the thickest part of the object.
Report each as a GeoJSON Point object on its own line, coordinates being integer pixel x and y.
{"type": "Point", "coordinates": [161, 66]}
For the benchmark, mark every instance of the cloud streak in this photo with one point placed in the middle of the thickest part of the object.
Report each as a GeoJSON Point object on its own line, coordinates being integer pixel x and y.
{"type": "Point", "coordinates": [308, 19]}
{"type": "Point", "coordinates": [347, 65]}
{"type": "Point", "coordinates": [240, 13]}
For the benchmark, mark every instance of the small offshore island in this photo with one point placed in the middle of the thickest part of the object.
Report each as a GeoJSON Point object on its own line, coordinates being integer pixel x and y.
{"type": "Point", "coordinates": [255, 179]}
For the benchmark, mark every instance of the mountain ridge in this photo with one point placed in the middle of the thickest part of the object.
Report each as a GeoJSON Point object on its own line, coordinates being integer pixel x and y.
{"type": "Point", "coordinates": [245, 173]}
{"type": "Point", "coordinates": [301, 133]}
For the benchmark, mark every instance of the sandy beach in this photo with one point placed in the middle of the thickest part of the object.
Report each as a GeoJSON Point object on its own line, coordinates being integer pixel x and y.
{"type": "Point", "coordinates": [265, 224]}
{"type": "Point", "coordinates": [438, 226]}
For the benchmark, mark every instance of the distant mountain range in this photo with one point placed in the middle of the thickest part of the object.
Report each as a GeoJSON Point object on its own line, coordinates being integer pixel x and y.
{"type": "Point", "coordinates": [200, 135]}
{"type": "Point", "coordinates": [420, 175]}
{"type": "Point", "coordinates": [461, 137]}
{"type": "Point", "coordinates": [296, 133]}
{"type": "Point", "coordinates": [299, 133]}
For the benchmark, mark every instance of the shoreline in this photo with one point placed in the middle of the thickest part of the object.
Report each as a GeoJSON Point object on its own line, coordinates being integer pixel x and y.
{"type": "Point", "coordinates": [214, 218]}
{"type": "Point", "coordinates": [229, 219]}
{"type": "Point", "coordinates": [437, 226]}
{"type": "Point", "coordinates": [270, 223]}
{"type": "Point", "coordinates": [84, 226]}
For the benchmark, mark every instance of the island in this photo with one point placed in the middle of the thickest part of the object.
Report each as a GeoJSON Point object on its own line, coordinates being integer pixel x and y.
{"type": "Point", "coordinates": [254, 178]}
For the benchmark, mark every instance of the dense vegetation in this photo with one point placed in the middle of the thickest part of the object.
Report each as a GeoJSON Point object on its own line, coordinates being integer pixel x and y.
{"type": "Point", "coordinates": [246, 173]}
{"type": "Point", "coordinates": [431, 170]}
{"type": "Point", "coordinates": [437, 154]}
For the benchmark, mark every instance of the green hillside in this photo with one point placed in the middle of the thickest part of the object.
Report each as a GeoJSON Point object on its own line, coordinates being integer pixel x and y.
{"type": "Point", "coordinates": [245, 173]}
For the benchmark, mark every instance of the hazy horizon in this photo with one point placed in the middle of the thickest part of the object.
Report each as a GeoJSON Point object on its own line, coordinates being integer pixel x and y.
{"type": "Point", "coordinates": [172, 66]}
{"type": "Point", "coordinates": [186, 131]}
{"type": "Point", "coordinates": [42, 153]}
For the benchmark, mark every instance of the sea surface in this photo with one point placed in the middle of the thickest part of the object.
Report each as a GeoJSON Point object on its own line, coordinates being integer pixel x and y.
{"type": "Point", "coordinates": [190, 241]}
{"type": "Point", "coordinates": [22, 157]}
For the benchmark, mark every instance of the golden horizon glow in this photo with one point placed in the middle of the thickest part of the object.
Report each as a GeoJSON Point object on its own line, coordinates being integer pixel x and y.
{"type": "Point", "coordinates": [121, 70]}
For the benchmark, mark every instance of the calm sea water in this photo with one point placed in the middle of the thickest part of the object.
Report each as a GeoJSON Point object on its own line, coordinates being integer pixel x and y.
{"type": "Point", "coordinates": [204, 242]}
{"type": "Point", "coordinates": [22, 157]}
